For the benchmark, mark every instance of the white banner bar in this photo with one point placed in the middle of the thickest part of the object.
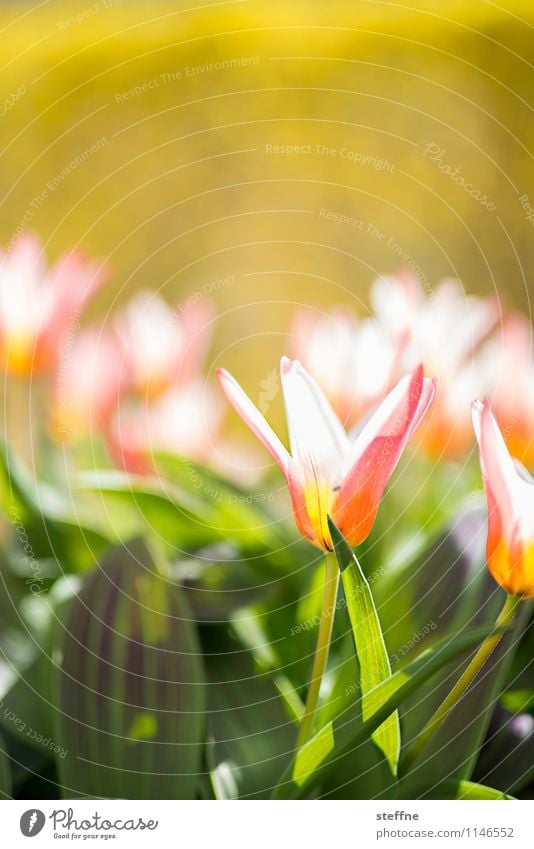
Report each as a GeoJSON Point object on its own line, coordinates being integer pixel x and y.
{"type": "Point", "coordinates": [268, 825]}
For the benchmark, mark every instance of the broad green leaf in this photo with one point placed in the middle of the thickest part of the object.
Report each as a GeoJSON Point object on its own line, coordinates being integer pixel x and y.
{"type": "Point", "coordinates": [128, 690]}
{"type": "Point", "coordinates": [218, 582]}
{"type": "Point", "coordinates": [26, 710]}
{"type": "Point", "coordinates": [179, 518]}
{"type": "Point", "coordinates": [370, 646]}
{"type": "Point", "coordinates": [348, 729]}
{"type": "Point", "coordinates": [361, 773]}
{"type": "Point", "coordinates": [5, 772]}
{"type": "Point", "coordinates": [250, 738]}
{"type": "Point", "coordinates": [249, 628]}
{"type": "Point", "coordinates": [236, 507]}
{"type": "Point", "coordinates": [461, 790]}
{"type": "Point", "coordinates": [518, 701]}
{"type": "Point", "coordinates": [470, 790]}
{"type": "Point", "coordinates": [444, 590]}
{"type": "Point", "coordinates": [454, 749]}
{"type": "Point", "coordinates": [45, 523]}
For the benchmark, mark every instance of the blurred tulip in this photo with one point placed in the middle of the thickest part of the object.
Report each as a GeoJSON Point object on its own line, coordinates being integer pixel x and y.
{"type": "Point", "coordinates": [327, 474]}
{"type": "Point", "coordinates": [88, 384]}
{"type": "Point", "coordinates": [162, 346]}
{"type": "Point", "coordinates": [353, 361]}
{"type": "Point", "coordinates": [444, 330]}
{"type": "Point", "coordinates": [509, 362]}
{"type": "Point", "coordinates": [510, 499]}
{"type": "Point", "coordinates": [38, 305]}
{"type": "Point", "coordinates": [183, 421]}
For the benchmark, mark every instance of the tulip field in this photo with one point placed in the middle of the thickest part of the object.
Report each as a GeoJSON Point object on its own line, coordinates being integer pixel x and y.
{"type": "Point", "coordinates": [192, 620]}
{"type": "Point", "coordinates": [266, 523]}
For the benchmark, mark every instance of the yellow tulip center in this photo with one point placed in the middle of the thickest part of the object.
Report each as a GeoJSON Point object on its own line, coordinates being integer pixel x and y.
{"type": "Point", "coordinates": [319, 498]}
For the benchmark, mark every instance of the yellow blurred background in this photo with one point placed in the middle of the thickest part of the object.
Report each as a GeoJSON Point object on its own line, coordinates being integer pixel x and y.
{"type": "Point", "coordinates": [270, 154]}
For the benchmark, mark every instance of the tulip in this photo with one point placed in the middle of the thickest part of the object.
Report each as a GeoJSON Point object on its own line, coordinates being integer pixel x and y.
{"type": "Point", "coordinates": [329, 474]}
{"type": "Point", "coordinates": [333, 477]}
{"type": "Point", "coordinates": [444, 329]}
{"type": "Point", "coordinates": [183, 421]}
{"type": "Point", "coordinates": [353, 361]}
{"type": "Point", "coordinates": [509, 554]}
{"type": "Point", "coordinates": [509, 352]}
{"type": "Point", "coordinates": [162, 346]}
{"type": "Point", "coordinates": [89, 381]}
{"type": "Point", "coordinates": [510, 499]}
{"type": "Point", "coordinates": [38, 306]}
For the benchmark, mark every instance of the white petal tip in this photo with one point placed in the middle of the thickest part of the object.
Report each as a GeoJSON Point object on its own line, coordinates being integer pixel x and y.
{"type": "Point", "coordinates": [286, 365]}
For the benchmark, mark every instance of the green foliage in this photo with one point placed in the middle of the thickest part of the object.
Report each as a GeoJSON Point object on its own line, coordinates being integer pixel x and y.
{"type": "Point", "coordinates": [371, 649]}
{"type": "Point", "coordinates": [129, 686]}
{"type": "Point", "coordinates": [5, 772]}
{"type": "Point", "coordinates": [104, 666]}
{"type": "Point", "coordinates": [466, 790]}
{"type": "Point", "coordinates": [180, 516]}
{"type": "Point", "coordinates": [250, 737]}
{"type": "Point", "coordinates": [348, 729]}
{"type": "Point", "coordinates": [44, 522]}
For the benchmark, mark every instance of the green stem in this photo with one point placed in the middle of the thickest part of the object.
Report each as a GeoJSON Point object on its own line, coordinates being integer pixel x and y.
{"type": "Point", "coordinates": [505, 617]}
{"type": "Point", "coordinates": [323, 646]}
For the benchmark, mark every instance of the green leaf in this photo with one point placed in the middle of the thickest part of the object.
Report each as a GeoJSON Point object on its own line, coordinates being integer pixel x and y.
{"type": "Point", "coordinates": [44, 522]}
{"type": "Point", "coordinates": [5, 772]}
{"type": "Point", "coordinates": [179, 517]}
{"type": "Point", "coordinates": [462, 790]}
{"type": "Point", "coordinates": [218, 583]}
{"type": "Point", "coordinates": [455, 747]}
{"type": "Point", "coordinates": [318, 757]}
{"type": "Point", "coordinates": [236, 508]}
{"type": "Point", "coordinates": [128, 691]}
{"type": "Point", "coordinates": [444, 590]}
{"type": "Point", "coordinates": [26, 710]}
{"type": "Point", "coordinates": [370, 646]}
{"type": "Point", "coordinates": [248, 626]}
{"type": "Point", "coordinates": [518, 701]}
{"type": "Point", "coordinates": [249, 736]}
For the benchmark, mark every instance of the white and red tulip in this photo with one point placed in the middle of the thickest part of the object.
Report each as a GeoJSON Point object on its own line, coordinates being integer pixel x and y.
{"type": "Point", "coordinates": [163, 347]}
{"type": "Point", "coordinates": [329, 474]}
{"type": "Point", "coordinates": [353, 361]}
{"type": "Point", "coordinates": [183, 421]}
{"type": "Point", "coordinates": [508, 358]}
{"type": "Point", "coordinates": [443, 328]}
{"type": "Point", "coordinates": [38, 305]}
{"type": "Point", "coordinates": [510, 499]}
{"type": "Point", "coordinates": [89, 381]}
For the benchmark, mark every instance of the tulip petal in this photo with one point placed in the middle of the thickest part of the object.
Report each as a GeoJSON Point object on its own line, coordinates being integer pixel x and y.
{"type": "Point", "coordinates": [498, 470]}
{"type": "Point", "coordinates": [318, 444]}
{"type": "Point", "coordinates": [255, 421]}
{"type": "Point", "coordinates": [510, 499]}
{"type": "Point", "coordinates": [377, 451]}
{"type": "Point", "coordinates": [317, 438]}
{"type": "Point", "coordinates": [263, 431]}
